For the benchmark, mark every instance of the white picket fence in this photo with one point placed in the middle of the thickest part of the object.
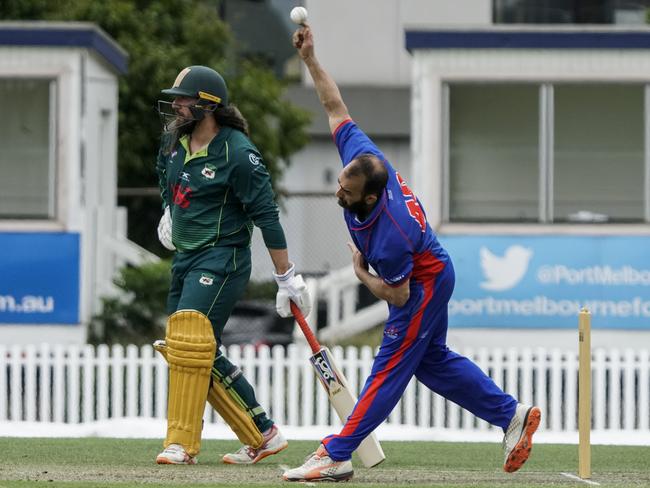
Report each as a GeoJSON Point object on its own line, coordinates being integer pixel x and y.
{"type": "Point", "coordinates": [83, 384]}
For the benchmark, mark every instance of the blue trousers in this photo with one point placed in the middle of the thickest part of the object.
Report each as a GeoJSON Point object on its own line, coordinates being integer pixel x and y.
{"type": "Point", "coordinates": [414, 343]}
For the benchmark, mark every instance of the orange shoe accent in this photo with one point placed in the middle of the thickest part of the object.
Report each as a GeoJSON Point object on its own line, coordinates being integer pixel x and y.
{"type": "Point", "coordinates": [520, 453]}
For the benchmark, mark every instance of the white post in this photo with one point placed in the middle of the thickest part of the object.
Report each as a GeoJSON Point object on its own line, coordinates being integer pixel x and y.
{"type": "Point", "coordinates": [556, 390]}
{"type": "Point", "coordinates": [293, 389]}
{"type": "Point", "coordinates": [59, 383]}
{"type": "Point", "coordinates": [73, 384]}
{"type": "Point", "coordinates": [614, 389]}
{"type": "Point", "coordinates": [88, 366]}
{"type": "Point", "coordinates": [146, 384]}
{"type": "Point", "coordinates": [571, 391]}
{"type": "Point", "coordinates": [629, 366]}
{"type": "Point", "coordinates": [102, 382]}
{"type": "Point", "coordinates": [278, 411]}
{"type": "Point", "coordinates": [46, 382]}
{"type": "Point", "coordinates": [132, 380]}
{"type": "Point", "coordinates": [599, 405]}
{"type": "Point", "coordinates": [15, 407]}
{"type": "Point", "coordinates": [263, 365]}
{"type": "Point", "coordinates": [30, 382]}
{"type": "Point", "coordinates": [117, 381]}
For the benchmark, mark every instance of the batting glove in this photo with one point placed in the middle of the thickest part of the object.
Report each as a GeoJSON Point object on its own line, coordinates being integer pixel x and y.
{"type": "Point", "coordinates": [165, 230]}
{"type": "Point", "coordinates": [291, 287]}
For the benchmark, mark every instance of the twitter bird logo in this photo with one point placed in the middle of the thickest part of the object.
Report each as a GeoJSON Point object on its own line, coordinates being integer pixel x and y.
{"type": "Point", "coordinates": [502, 273]}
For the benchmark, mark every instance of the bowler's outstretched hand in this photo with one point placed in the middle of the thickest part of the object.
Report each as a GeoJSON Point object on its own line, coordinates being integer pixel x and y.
{"type": "Point", "coordinates": [303, 41]}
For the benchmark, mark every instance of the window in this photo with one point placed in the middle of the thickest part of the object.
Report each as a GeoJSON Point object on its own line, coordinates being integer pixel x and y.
{"type": "Point", "coordinates": [598, 156]}
{"type": "Point", "coordinates": [27, 156]}
{"type": "Point", "coordinates": [546, 153]}
{"type": "Point", "coordinates": [569, 11]}
{"type": "Point", "coordinates": [493, 152]}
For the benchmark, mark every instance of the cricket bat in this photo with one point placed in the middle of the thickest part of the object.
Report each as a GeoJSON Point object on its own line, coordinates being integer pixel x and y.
{"type": "Point", "coordinates": [341, 396]}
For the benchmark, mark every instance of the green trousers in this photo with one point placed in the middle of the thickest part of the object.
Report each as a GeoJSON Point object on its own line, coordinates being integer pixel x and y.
{"type": "Point", "coordinates": [211, 281]}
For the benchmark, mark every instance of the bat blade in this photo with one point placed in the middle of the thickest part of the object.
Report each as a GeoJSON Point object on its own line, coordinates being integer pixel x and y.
{"type": "Point", "coordinates": [343, 401]}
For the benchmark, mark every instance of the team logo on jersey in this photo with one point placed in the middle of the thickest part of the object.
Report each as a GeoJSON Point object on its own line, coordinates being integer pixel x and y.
{"type": "Point", "coordinates": [391, 332]}
{"type": "Point", "coordinates": [255, 160]}
{"type": "Point", "coordinates": [185, 176]}
{"type": "Point", "coordinates": [206, 279]}
{"type": "Point", "coordinates": [209, 171]}
{"type": "Point", "coordinates": [181, 195]}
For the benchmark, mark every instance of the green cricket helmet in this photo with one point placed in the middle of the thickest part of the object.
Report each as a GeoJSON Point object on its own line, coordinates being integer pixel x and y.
{"type": "Point", "coordinates": [200, 82]}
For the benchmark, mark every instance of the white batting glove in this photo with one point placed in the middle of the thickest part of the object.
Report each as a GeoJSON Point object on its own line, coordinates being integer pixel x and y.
{"type": "Point", "coordinates": [291, 287]}
{"type": "Point", "coordinates": [165, 230]}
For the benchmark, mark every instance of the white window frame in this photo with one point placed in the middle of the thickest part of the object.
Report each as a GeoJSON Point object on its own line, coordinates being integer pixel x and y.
{"type": "Point", "coordinates": [546, 162]}
{"type": "Point", "coordinates": [57, 198]}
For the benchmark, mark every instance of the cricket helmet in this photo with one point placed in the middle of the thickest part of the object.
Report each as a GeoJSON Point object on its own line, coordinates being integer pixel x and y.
{"type": "Point", "coordinates": [200, 82]}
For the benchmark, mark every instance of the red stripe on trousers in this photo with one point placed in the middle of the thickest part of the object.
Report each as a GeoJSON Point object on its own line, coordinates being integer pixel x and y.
{"type": "Point", "coordinates": [411, 334]}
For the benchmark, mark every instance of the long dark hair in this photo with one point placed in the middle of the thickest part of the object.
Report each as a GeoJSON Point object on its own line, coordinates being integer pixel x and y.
{"type": "Point", "coordinates": [230, 116]}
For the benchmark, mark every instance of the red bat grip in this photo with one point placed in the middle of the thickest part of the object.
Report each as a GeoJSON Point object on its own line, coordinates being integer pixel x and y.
{"type": "Point", "coordinates": [304, 326]}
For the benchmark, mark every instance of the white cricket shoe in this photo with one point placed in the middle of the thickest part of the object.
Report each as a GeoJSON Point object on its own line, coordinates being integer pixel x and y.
{"type": "Point", "coordinates": [518, 440]}
{"type": "Point", "coordinates": [274, 442]}
{"type": "Point", "coordinates": [175, 454]}
{"type": "Point", "coordinates": [320, 467]}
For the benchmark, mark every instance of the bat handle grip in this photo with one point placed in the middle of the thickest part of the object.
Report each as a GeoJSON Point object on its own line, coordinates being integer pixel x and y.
{"type": "Point", "coordinates": [304, 326]}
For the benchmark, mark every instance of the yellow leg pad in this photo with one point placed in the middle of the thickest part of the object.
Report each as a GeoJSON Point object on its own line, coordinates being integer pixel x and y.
{"type": "Point", "coordinates": [190, 353]}
{"type": "Point", "coordinates": [234, 415]}
{"type": "Point", "coordinates": [231, 412]}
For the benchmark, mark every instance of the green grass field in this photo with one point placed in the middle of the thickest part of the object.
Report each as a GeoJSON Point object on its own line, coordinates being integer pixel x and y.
{"type": "Point", "coordinates": [122, 463]}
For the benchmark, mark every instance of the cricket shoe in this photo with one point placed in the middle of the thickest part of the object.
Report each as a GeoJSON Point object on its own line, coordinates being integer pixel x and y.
{"type": "Point", "coordinates": [320, 467]}
{"type": "Point", "coordinates": [175, 454]}
{"type": "Point", "coordinates": [518, 440]}
{"type": "Point", "coordinates": [274, 442]}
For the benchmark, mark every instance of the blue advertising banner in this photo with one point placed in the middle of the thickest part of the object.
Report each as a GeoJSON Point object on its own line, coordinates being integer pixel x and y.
{"type": "Point", "coordinates": [39, 278]}
{"type": "Point", "coordinates": [543, 281]}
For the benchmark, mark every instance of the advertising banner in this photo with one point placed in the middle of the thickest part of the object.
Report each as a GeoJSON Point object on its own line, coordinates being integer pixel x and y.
{"type": "Point", "coordinates": [39, 278]}
{"type": "Point", "coordinates": [543, 281]}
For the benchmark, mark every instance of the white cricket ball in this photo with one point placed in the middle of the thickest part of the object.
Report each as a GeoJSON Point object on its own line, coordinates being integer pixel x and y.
{"type": "Point", "coordinates": [298, 15]}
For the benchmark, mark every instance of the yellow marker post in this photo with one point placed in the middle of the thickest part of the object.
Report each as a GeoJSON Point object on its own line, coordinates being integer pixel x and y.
{"type": "Point", "coordinates": [584, 394]}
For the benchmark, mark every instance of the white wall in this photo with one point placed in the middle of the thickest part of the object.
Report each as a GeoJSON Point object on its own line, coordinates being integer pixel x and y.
{"type": "Point", "coordinates": [86, 172]}
{"type": "Point", "coordinates": [362, 41]}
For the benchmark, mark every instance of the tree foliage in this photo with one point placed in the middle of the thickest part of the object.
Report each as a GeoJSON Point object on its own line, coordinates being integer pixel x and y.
{"type": "Point", "coordinates": [161, 37]}
{"type": "Point", "coordinates": [136, 315]}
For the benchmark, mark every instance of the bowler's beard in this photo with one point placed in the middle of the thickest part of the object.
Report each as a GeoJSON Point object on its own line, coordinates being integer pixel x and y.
{"type": "Point", "coordinates": [361, 209]}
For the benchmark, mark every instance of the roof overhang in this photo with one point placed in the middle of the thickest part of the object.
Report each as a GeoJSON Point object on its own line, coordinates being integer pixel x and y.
{"type": "Point", "coordinates": [524, 37]}
{"type": "Point", "coordinates": [65, 34]}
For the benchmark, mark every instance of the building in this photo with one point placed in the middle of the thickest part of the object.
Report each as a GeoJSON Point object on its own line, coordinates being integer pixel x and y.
{"type": "Point", "coordinates": [61, 232]}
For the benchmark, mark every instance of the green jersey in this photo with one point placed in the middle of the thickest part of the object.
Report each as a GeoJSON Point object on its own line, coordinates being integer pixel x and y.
{"type": "Point", "coordinates": [217, 194]}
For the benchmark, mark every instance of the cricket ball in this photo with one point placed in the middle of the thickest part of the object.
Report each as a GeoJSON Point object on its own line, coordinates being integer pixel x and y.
{"type": "Point", "coordinates": [298, 15]}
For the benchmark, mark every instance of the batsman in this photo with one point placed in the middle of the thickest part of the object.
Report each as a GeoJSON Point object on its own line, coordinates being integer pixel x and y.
{"type": "Point", "coordinates": [215, 188]}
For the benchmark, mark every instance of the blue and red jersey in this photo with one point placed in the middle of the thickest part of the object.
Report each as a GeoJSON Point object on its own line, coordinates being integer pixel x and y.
{"type": "Point", "coordinates": [395, 239]}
